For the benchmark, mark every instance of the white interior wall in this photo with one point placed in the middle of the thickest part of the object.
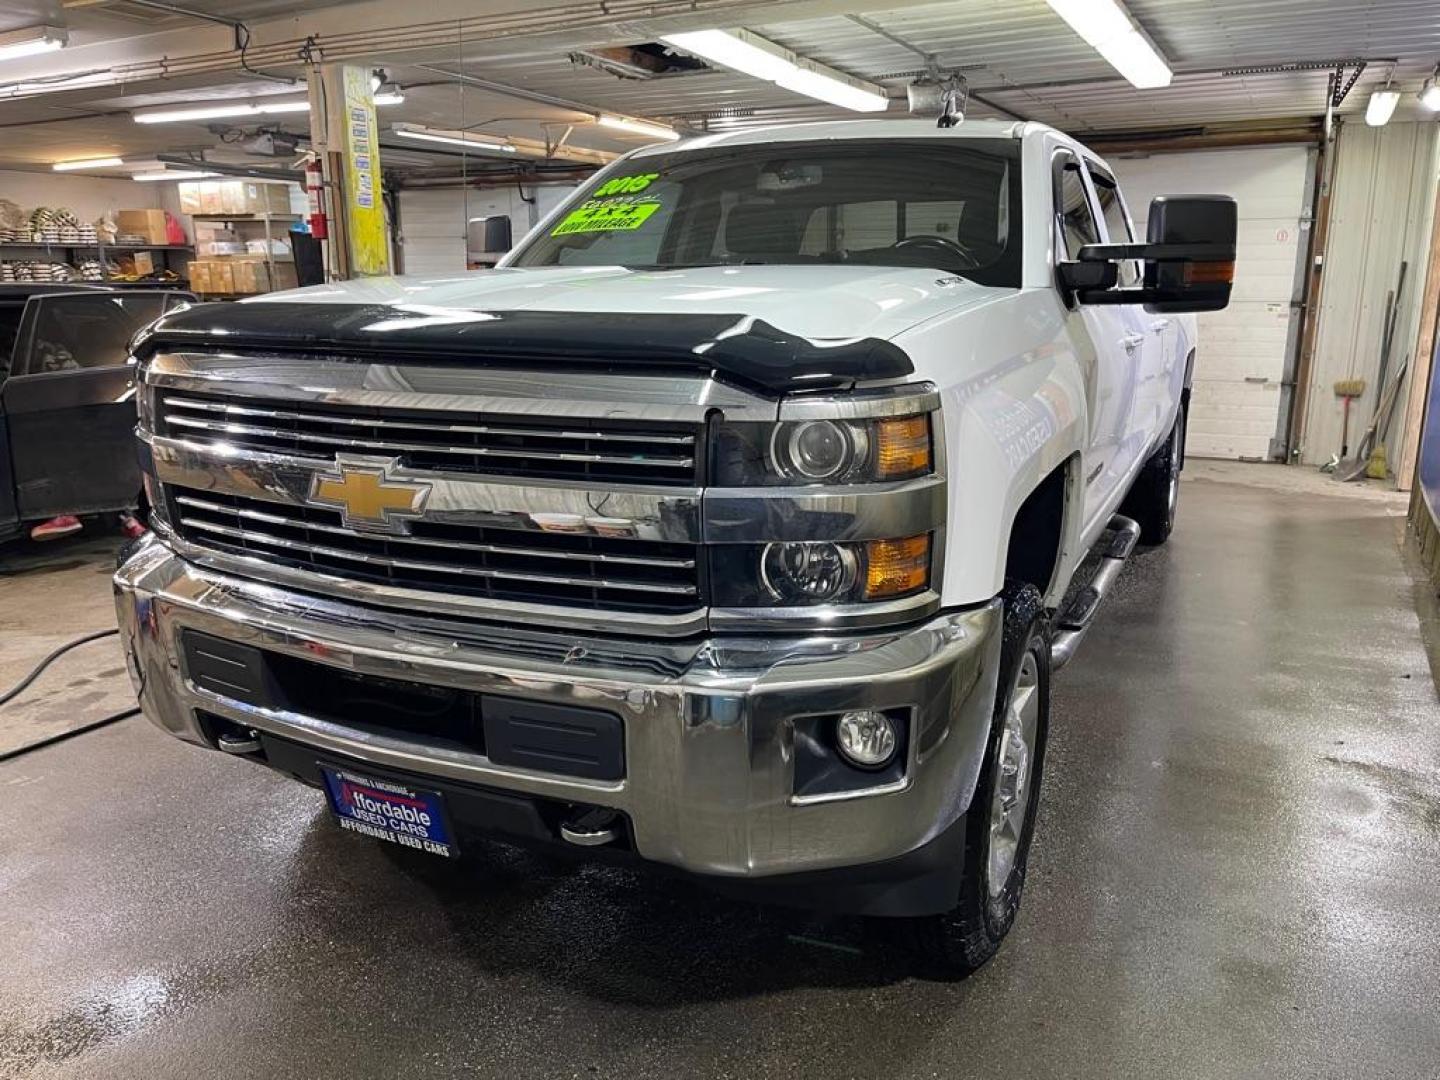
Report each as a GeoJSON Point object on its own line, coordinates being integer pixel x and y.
{"type": "Point", "coordinates": [91, 197]}
{"type": "Point", "coordinates": [1382, 200]}
{"type": "Point", "coordinates": [1240, 358]}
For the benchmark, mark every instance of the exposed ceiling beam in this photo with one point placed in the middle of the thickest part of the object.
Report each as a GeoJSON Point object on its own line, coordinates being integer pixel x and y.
{"type": "Point", "coordinates": [361, 31]}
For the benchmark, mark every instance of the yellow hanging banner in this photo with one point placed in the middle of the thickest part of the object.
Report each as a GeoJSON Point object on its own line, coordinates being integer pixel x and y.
{"type": "Point", "coordinates": [364, 209]}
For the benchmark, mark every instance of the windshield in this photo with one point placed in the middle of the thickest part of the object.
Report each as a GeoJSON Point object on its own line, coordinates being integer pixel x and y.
{"type": "Point", "coordinates": [953, 207]}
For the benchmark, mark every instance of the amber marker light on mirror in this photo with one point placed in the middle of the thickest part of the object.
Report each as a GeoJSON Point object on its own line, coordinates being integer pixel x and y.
{"type": "Point", "coordinates": [1209, 273]}
{"type": "Point", "coordinates": [902, 448]}
{"type": "Point", "coordinates": [896, 567]}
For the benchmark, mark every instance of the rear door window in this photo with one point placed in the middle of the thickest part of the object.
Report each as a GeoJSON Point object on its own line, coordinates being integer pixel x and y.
{"type": "Point", "coordinates": [9, 332]}
{"type": "Point", "coordinates": [81, 331]}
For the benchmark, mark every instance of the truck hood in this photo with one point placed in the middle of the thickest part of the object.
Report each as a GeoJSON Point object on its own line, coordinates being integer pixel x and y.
{"type": "Point", "coordinates": [775, 329]}
{"type": "Point", "coordinates": [814, 302]}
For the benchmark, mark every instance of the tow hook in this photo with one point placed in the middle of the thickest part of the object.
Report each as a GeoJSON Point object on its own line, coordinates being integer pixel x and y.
{"type": "Point", "coordinates": [592, 828]}
{"type": "Point", "coordinates": [234, 742]}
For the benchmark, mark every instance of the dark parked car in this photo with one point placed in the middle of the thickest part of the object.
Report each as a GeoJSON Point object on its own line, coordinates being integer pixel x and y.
{"type": "Point", "coordinates": [67, 410]}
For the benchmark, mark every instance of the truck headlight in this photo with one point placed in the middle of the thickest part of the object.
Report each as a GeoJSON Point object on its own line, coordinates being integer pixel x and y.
{"type": "Point", "coordinates": [818, 450]}
{"type": "Point", "coordinates": [800, 452]}
{"type": "Point", "coordinates": [798, 573]}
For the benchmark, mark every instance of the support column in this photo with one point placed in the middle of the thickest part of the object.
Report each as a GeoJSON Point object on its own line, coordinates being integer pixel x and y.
{"type": "Point", "coordinates": [345, 135]}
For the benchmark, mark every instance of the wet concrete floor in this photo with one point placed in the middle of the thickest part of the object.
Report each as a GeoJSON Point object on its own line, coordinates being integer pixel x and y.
{"type": "Point", "coordinates": [1237, 874]}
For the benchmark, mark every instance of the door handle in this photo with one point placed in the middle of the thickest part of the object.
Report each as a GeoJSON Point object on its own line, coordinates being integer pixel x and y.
{"type": "Point", "coordinates": [1132, 341]}
{"type": "Point", "coordinates": [1160, 325]}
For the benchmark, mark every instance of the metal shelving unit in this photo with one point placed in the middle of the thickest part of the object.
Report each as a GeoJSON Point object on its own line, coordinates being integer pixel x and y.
{"type": "Point", "coordinates": [267, 220]}
{"type": "Point", "coordinates": [64, 251]}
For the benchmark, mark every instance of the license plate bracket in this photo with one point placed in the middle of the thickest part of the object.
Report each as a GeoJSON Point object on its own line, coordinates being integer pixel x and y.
{"type": "Point", "coordinates": [386, 809]}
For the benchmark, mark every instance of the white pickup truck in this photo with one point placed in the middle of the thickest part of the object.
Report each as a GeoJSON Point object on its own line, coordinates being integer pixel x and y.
{"type": "Point", "coordinates": [734, 524]}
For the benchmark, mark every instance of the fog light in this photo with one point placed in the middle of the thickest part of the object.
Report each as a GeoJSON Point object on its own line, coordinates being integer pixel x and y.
{"type": "Point", "coordinates": [866, 738]}
{"type": "Point", "coordinates": [807, 573]}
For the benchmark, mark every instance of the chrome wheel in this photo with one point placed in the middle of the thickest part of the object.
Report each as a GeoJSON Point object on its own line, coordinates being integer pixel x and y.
{"type": "Point", "coordinates": [1010, 805]}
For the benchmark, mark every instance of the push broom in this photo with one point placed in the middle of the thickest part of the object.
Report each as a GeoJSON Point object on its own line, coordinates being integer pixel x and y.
{"type": "Point", "coordinates": [1348, 390]}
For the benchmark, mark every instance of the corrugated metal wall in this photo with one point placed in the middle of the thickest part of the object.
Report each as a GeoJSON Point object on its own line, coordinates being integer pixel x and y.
{"type": "Point", "coordinates": [1381, 204]}
{"type": "Point", "coordinates": [1240, 360]}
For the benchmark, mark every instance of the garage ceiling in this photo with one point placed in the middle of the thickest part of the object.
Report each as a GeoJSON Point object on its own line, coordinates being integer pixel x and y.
{"type": "Point", "coordinates": [1020, 58]}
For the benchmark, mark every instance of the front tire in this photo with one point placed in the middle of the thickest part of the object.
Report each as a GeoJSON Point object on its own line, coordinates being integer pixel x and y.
{"type": "Point", "coordinates": [1001, 820]}
{"type": "Point", "coordinates": [1155, 497]}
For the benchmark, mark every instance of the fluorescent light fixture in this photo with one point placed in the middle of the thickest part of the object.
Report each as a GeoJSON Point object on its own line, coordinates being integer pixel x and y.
{"type": "Point", "coordinates": [741, 51]}
{"type": "Point", "coordinates": [217, 112]}
{"type": "Point", "coordinates": [1430, 94]}
{"type": "Point", "coordinates": [224, 110]}
{"type": "Point", "coordinates": [88, 163]}
{"type": "Point", "coordinates": [845, 94]}
{"type": "Point", "coordinates": [174, 174]}
{"type": "Point", "coordinates": [750, 54]}
{"type": "Point", "coordinates": [452, 138]}
{"type": "Point", "coordinates": [637, 127]}
{"type": "Point", "coordinates": [1108, 29]}
{"type": "Point", "coordinates": [1381, 107]}
{"type": "Point", "coordinates": [31, 41]}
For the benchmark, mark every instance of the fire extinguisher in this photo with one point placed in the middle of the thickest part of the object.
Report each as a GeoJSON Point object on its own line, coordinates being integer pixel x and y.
{"type": "Point", "coordinates": [314, 194]}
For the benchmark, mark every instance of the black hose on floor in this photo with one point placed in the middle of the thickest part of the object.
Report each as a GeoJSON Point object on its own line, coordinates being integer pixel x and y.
{"type": "Point", "coordinates": [20, 687]}
{"type": "Point", "coordinates": [50, 740]}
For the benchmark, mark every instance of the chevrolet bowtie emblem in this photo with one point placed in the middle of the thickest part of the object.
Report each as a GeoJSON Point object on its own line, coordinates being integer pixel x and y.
{"type": "Point", "coordinates": [368, 498]}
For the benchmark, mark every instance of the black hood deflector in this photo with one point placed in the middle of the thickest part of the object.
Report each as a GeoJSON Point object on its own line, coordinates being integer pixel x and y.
{"type": "Point", "coordinates": [735, 348]}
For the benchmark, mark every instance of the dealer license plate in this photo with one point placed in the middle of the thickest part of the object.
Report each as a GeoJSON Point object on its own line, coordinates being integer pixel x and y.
{"type": "Point", "coordinates": [387, 810]}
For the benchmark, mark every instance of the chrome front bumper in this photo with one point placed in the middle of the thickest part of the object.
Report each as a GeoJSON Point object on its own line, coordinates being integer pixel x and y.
{"type": "Point", "coordinates": [708, 726]}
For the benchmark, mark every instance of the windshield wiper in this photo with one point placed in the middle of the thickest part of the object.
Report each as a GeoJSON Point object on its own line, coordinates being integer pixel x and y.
{"type": "Point", "coordinates": [651, 267]}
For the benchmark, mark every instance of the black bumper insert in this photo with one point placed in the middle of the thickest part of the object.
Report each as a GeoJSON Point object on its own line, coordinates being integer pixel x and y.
{"type": "Point", "coordinates": [586, 743]}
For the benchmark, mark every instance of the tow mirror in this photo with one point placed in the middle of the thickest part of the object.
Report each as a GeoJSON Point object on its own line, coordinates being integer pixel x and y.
{"type": "Point", "coordinates": [1189, 257]}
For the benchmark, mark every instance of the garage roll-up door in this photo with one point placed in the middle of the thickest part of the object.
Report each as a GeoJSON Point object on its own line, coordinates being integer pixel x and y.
{"type": "Point", "coordinates": [1235, 407]}
{"type": "Point", "coordinates": [432, 221]}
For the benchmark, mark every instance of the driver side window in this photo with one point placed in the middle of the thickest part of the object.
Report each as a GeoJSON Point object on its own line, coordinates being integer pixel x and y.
{"type": "Point", "coordinates": [1116, 224]}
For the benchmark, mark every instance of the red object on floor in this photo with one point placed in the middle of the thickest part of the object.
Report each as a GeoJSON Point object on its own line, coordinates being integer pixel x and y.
{"type": "Point", "coordinates": [56, 527]}
{"type": "Point", "coordinates": [131, 527]}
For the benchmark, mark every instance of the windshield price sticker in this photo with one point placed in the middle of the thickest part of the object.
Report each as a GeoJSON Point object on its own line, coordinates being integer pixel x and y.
{"type": "Point", "coordinates": [626, 185]}
{"type": "Point", "coordinates": [611, 215]}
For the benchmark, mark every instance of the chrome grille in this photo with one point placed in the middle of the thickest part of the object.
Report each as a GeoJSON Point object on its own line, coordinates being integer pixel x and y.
{"type": "Point", "coordinates": [654, 453]}
{"type": "Point", "coordinates": [596, 572]}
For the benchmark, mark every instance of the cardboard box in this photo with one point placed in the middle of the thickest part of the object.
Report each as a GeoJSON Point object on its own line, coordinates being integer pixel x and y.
{"type": "Point", "coordinates": [279, 249]}
{"type": "Point", "coordinates": [251, 276]}
{"type": "Point", "coordinates": [222, 278]}
{"type": "Point", "coordinates": [211, 231]}
{"type": "Point", "coordinates": [190, 198]}
{"type": "Point", "coordinates": [284, 277]}
{"type": "Point", "coordinates": [144, 263]}
{"type": "Point", "coordinates": [198, 273]}
{"type": "Point", "coordinates": [149, 224]}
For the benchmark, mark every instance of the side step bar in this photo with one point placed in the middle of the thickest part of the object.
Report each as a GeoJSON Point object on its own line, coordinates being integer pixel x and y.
{"type": "Point", "coordinates": [1078, 609]}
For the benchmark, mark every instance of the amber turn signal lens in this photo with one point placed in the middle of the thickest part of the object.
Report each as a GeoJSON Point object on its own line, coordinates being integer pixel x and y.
{"type": "Point", "coordinates": [902, 447]}
{"type": "Point", "coordinates": [1209, 273]}
{"type": "Point", "coordinates": [896, 567]}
